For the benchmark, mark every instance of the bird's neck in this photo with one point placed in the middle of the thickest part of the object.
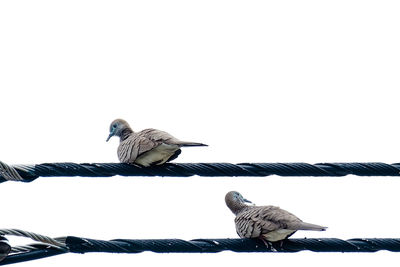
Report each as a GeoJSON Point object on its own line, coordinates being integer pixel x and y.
{"type": "Point", "coordinates": [236, 206]}
{"type": "Point", "coordinates": [125, 133]}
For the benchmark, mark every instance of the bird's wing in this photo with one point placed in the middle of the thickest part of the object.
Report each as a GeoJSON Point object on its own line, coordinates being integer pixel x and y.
{"type": "Point", "coordinates": [256, 221]}
{"type": "Point", "coordinates": [271, 215]}
{"type": "Point", "coordinates": [134, 146]}
{"type": "Point", "coordinates": [280, 218]}
{"type": "Point", "coordinates": [159, 136]}
{"type": "Point", "coordinates": [166, 138]}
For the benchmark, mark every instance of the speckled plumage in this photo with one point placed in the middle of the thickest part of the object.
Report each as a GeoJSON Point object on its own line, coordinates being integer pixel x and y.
{"type": "Point", "coordinates": [269, 223]}
{"type": "Point", "coordinates": [147, 147]}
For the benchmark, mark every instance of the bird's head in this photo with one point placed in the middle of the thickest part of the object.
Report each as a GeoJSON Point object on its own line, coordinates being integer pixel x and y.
{"type": "Point", "coordinates": [236, 197]}
{"type": "Point", "coordinates": [117, 127]}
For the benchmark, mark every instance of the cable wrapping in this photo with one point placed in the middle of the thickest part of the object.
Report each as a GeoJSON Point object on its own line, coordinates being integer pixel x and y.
{"type": "Point", "coordinates": [29, 173]}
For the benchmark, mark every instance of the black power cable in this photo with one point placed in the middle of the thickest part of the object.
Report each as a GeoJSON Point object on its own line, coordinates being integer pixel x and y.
{"type": "Point", "coordinates": [84, 245]}
{"type": "Point", "coordinates": [31, 172]}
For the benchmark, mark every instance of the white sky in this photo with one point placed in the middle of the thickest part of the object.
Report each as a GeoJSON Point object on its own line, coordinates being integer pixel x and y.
{"type": "Point", "coordinates": [259, 81]}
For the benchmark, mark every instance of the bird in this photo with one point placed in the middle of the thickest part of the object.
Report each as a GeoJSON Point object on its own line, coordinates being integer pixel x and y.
{"type": "Point", "coordinates": [148, 147]}
{"type": "Point", "coordinates": [268, 223]}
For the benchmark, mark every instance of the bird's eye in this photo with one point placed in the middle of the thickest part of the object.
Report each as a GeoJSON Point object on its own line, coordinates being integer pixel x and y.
{"type": "Point", "coordinates": [114, 126]}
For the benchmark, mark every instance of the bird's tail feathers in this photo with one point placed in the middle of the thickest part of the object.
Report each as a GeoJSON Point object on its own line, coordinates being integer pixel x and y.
{"type": "Point", "coordinates": [312, 227]}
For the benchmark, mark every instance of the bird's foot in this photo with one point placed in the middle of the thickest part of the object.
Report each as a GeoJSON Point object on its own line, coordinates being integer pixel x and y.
{"type": "Point", "coordinates": [268, 244]}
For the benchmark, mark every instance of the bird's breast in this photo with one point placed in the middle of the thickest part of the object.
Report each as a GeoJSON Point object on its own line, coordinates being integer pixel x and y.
{"type": "Point", "coordinates": [278, 235]}
{"type": "Point", "coordinates": [157, 155]}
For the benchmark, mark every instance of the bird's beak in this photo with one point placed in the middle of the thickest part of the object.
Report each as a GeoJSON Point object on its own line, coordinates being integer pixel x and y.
{"type": "Point", "coordinates": [248, 201]}
{"type": "Point", "coordinates": [108, 138]}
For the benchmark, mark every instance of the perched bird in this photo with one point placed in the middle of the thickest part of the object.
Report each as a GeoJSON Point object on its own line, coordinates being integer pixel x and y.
{"type": "Point", "coordinates": [147, 147]}
{"type": "Point", "coordinates": [269, 223]}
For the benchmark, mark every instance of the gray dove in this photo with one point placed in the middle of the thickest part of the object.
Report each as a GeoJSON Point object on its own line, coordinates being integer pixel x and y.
{"type": "Point", "coordinates": [148, 147]}
{"type": "Point", "coordinates": [269, 223]}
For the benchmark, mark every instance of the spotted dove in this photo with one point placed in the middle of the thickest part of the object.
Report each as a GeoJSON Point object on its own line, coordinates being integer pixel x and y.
{"type": "Point", "coordinates": [148, 147]}
{"type": "Point", "coordinates": [268, 223]}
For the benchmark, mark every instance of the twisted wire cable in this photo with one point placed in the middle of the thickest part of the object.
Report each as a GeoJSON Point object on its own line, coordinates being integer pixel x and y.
{"type": "Point", "coordinates": [85, 245]}
{"type": "Point", "coordinates": [29, 173]}
{"type": "Point", "coordinates": [47, 247]}
{"type": "Point", "coordinates": [37, 237]}
{"type": "Point", "coordinates": [82, 245]}
{"type": "Point", "coordinates": [5, 247]}
{"type": "Point", "coordinates": [9, 173]}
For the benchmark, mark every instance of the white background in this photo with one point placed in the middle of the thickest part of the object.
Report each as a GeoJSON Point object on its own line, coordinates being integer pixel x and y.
{"type": "Point", "coordinates": [259, 81]}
